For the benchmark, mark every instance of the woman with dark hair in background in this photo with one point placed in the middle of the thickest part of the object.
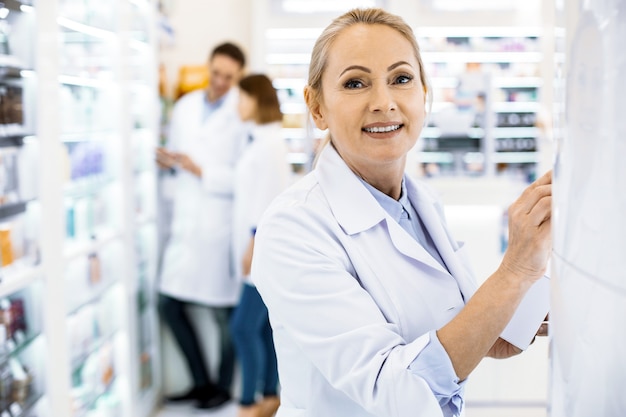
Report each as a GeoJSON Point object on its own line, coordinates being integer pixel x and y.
{"type": "Point", "coordinates": [261, 173]}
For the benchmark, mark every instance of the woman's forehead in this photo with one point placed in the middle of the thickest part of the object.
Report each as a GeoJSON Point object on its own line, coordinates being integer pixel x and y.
{"type": "Point", "coordinates": [370, 44]}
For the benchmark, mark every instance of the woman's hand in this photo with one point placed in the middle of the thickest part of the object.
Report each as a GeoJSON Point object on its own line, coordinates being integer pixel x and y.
{"type": "Point", "coordinates": [530, 240]}
{"type": "Point", "coordinates": [503, 349]}
{"type": "Point", "coordinates": [186, 163]}
{"type": "Point", "coordinates": [165, 159]}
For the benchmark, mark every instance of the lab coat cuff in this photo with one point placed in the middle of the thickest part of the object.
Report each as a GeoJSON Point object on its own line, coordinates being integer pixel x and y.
{"type": "Point", "coordinates": [434, 365]}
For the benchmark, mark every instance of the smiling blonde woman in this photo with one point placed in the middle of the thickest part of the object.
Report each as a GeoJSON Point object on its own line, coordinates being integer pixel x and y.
{"type": "Point", "coordinates": [374, 309]}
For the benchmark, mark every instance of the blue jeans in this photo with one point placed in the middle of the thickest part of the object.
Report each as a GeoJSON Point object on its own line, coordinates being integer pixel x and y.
{"type": "Point", "coordinates": [252, 336]}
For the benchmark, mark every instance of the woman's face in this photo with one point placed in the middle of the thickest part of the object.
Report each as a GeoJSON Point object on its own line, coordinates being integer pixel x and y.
{"type": "Point", "coordinates": [373, 101]}
{"type": "Point", "coordinates": [247, 106]}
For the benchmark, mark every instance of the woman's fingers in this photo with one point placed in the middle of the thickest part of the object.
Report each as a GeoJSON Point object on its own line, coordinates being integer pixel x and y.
{"type": "Point", "coordinates": [532, 196]}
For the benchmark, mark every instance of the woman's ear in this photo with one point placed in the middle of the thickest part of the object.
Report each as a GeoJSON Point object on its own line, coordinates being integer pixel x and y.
{"type": "Point", "coordinates": [314, 109]}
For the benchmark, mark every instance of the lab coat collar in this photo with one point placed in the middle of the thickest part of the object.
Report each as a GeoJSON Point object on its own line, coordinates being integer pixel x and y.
{"type": "Point", "coordinates": [344, 192]}
{"type": "Point", "coordinates": [430, 211]}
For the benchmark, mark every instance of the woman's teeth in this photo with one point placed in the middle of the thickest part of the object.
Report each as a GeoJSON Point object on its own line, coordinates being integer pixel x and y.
{"type": "Point", "coordinates": [381, 129]}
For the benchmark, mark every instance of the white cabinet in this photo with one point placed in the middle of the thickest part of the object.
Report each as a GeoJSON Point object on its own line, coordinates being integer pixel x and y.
{"type": "Point", "coordinates": [78, 121]}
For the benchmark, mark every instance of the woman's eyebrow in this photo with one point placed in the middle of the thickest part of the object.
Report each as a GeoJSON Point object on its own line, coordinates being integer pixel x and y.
{"type": "Point", "coordinates": [367, 70]}
{"type": "Point", "coordinates": [355, 67]}
{"type": "Point", "coordinates": [397, 64]}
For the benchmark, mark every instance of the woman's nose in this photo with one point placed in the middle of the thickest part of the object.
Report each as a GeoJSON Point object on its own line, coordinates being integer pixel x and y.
{"type": "Point", "coordinates": [382, 99]}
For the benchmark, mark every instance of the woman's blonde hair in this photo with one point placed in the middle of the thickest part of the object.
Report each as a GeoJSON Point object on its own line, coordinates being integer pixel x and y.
{"type": "Point", "coordinates": [371, 16]}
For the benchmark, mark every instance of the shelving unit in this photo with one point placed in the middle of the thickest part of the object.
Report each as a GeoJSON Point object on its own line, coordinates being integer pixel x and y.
{"type": "Point", "coordinates": [22, 341]}
{"type": "Point", "coordinates": [78, 124]}
{"type": "Point", "coordinates": [493, 74]}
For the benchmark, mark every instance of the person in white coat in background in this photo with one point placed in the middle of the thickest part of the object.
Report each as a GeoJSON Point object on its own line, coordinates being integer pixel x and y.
{"type": "Point", "coordinates": [205, 140]}
{"type": "Point", "coordinates": [373, 306]}
{"type": "Point", "coordinates": [261, 174]}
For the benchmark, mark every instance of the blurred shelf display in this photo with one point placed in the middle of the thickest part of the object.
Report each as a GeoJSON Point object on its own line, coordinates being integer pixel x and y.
{"type": "Point", "coordinates": [78, 125]}
{"type": "Point", "coordinates": [22, 369]}
{"type": "Point", "coordinates": [22, 344]}
{"type": "Point", "coordinates": [486, 83]}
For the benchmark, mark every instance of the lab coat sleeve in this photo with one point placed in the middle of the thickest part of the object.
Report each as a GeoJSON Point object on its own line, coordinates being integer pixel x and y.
{"type": "Point", "coordinates": [434, 365]}
{"type": "Point", "coordinates": [313, 294]}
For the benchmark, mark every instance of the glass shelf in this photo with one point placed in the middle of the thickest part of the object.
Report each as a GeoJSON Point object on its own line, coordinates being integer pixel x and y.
{"type": "Point", "coordinates": [19, 275]}
{"type": "Point", "coordinates": [93, 399]}
{"type": "Point", "coordinates": [88, 136]}
{"type": "Point", "coordinates": [88, 29]}
{"type": "Point", "coordinates": [96, 345]}
{"type": "Point", "coordinates": [77, 248]}
{"type": "Point", "coordinates": [98, 293]}
{"type": "Point", "coordinates": [19, 348]}
{"type": "Point", "coordinates": [23, 409]}
{"type": "Point", "coordinates": [100, 83]}
{"type": "Point", "coordinates": [88, 185]}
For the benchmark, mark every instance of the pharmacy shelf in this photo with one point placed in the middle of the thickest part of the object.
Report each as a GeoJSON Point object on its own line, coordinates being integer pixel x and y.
{"type": "Point", "coordinates": [10, 141]}
{"type": "Point", "coordinates": [22, 410]}
{"type": "Point", "coordinates": [515, 132]}
{"type": "Point", "coordinates": [71, 93]}
{"type": "Point", "coordinates": [96, 345]}
{"type": "Point", "coordinates": [515, 157]}
{"type": "Point", "coordinates": [513, 107]}
{"type": "Point", "coordinates": [482, 57]}
{"type": "Point", "coordinates": [76, 249]}
{"type": "Point", "coordinates": [18, 348]}
{"type": "Point", "coordinates": [12, 209]}
{"type": "Point", "coordinates": [19, 275]}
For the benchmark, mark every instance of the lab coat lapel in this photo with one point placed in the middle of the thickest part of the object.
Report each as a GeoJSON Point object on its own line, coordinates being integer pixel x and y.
{"type": "Point", "coordinates": [426, 207]}
{"type": "Point", "coordinates": [345, 191]}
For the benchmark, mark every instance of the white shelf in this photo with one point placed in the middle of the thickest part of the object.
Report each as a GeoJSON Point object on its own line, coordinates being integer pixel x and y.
{"type": "Point", "coordinates": [482, 57]}
{"type": "Point", "coordinates": [86, 29]}
{"type": "Point", "coordinates": [515, 157]}
{"type": "Point", "coordinates": [517, 82]}
{"type": "Point", "coordinates": [86, 81]}
{"type": "Point", "coordinates": [77, 249]}
{"type": "Point", "coordinates": [478, 32]}
{"type": "Point", "coordinates": [435, 157]}
{"type": "Point", "coordinates": [435, 132]}
{"type": "Point", "coordinates": [516, 106]}
{"type": "Point", "coordinates": [17, 276]}
{"type": "Point", "coordinates": [515, 132]}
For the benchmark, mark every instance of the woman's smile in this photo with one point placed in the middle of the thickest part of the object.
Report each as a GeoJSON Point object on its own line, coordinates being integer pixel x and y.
{"type": "Point", "coordinates": [382, 130]}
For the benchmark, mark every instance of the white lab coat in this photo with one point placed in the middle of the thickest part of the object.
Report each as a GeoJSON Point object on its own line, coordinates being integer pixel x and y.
{"type": "Point", "coordinates": [197, 263]}
{"type": "Point", "coordinates": [261, 174]}
{"type": "Point", "coordinates": [352, 296]}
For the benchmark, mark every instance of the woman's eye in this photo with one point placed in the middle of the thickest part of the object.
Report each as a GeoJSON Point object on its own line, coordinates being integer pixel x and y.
{"type": "Point", "coordinates": [353, 84]}
{"type": "Point", "coordinates": [403, 79]}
